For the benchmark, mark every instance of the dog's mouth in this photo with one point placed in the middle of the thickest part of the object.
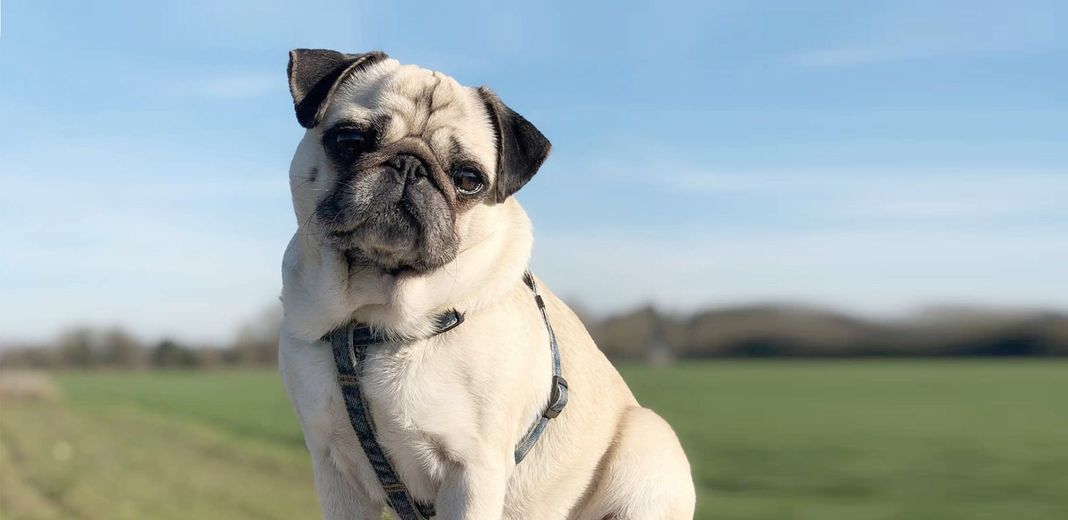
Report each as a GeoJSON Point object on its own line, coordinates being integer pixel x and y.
{"type": "Point", "coordinates": [368, 246]}
{"type": "Point", "coordinates": [391, 239]}
{"type": "Point", "coordinates": [397, 225]}
{"type": "Point", "coordinates": [359, 261]}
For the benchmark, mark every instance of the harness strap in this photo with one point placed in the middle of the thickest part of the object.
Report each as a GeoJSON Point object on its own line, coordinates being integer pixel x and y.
{"type": "Point", "coordinates": [558, 395]}
{"type": "Point", "coordinates": [349, 344]}
{"type": "Point", "coordinates": [350, 349]}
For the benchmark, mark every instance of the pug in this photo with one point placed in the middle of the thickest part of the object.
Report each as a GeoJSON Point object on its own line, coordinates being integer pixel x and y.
{"type": "Point", "coordinates": [404, 189]}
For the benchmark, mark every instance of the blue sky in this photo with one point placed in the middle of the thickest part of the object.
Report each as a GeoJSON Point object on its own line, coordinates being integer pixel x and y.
{"type": "Point", "coordinates": [873, 157]}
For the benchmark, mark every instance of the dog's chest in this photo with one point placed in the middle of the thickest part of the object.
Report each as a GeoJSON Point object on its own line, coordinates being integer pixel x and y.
{"type": "Point", "coordinates": [421, 408]}
{"type": "Point", "coordinates": [416, 390]}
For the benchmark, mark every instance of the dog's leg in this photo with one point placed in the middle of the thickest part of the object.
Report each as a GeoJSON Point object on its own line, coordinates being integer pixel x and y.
{"type": "Point", "coordinates": [308, 375]}
{"type": "Point", "coordinates": [338, 498]}
{"type": "Point", "coordinates": [645, 474]}
{"type": "Point", "coordinates": [473, 492]}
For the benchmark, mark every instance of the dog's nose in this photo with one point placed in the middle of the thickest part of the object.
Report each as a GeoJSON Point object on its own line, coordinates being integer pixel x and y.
{"type": "Point", "coordinates": [408, 166]}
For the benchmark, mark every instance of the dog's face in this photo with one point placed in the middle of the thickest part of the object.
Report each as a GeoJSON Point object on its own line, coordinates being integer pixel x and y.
{"type": "Point", "coordinates": [401, 166]}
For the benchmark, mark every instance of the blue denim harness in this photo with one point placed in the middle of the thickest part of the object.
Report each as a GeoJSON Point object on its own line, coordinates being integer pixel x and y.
{"type": "Point", "coordinates": [350, 344]}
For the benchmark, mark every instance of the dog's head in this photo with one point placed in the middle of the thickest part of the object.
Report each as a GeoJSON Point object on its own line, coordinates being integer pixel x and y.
{"type": "Point", "coordinates": [400, 165]}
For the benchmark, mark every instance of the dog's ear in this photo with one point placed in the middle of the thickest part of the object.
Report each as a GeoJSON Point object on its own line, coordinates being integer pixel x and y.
{"type": "Point", "coordinates": [314, 74]}
{"type": "Point", "coordinates": [521, 148]}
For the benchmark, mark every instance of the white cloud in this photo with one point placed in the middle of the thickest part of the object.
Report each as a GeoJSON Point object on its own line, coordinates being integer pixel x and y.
{"type": "Point", "coordinates": [237, 86]}
{"type": "Point", "coordinates": [844, 57]}
{"type": "Point", "coordinates": [880, 272]}
{"type": "Point", "coordinates": [117, 236]}
{"type": "Point", "coordinates": [932, 30]}
{"type": "Point", "coordinates": [903, 194]}
{"type": "Point", "coordinates": [879, 242]}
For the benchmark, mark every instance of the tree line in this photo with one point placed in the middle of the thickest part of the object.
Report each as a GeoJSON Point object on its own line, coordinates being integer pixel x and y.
{"type": "Point", "coordinates": [645, 334]}
{"type": "Point", "coordinates": [802, 332]}
{"type": "Point", "coordinates": [255, 344]}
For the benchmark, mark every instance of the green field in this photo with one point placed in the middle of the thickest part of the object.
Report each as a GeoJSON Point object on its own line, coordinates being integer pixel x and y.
{"type": "Point", "coordinates": [775, 440]}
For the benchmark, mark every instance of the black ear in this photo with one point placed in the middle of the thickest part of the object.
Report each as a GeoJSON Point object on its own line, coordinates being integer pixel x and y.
{"type": "Point", "coordinates": [521, 148]}
{"type": "Point", "coordinates": [313, 73]}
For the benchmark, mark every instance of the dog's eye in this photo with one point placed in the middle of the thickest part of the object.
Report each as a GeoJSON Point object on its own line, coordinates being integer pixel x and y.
{"type": "Point", "coordinates": [467, 181]}
{"type": "Point", "coordinates": [351, 143]}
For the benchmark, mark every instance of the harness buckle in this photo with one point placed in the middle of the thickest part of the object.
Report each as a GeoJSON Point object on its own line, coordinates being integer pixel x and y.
{"type": "Point", "coordinates": [449, 321]}
{"type": "Point", "coordinates": [558, 397]}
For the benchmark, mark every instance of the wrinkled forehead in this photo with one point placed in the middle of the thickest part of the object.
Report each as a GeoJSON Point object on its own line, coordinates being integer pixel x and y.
{"type": "Point", "coordinates": [406, 101]}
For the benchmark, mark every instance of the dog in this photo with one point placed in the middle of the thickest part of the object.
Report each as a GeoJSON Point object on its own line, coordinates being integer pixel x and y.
{"type": "Point", "coordinates": [403, 187]}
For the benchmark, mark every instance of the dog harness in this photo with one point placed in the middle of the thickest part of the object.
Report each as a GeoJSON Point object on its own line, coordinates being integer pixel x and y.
{"type": "Point", "coordinates": [350, 344]}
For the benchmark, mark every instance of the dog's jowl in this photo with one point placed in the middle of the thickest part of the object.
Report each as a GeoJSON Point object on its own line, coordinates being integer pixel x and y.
{"type": "Point", "coordinates": [429, 372]}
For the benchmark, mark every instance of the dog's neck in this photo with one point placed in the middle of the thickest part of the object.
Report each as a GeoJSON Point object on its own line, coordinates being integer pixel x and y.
{"type": "Point", "coordinates": [320, 292]}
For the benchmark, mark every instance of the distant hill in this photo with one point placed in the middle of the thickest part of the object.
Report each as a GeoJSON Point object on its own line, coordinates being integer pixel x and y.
{"type": "Point", "coordinates": [795, 331]}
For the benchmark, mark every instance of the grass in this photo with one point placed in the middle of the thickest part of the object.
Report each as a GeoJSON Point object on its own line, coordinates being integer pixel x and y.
{"type": "Point", "coordinates": [776, 440]}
